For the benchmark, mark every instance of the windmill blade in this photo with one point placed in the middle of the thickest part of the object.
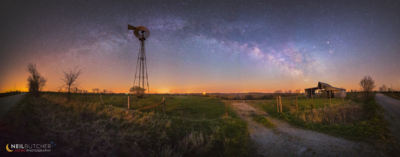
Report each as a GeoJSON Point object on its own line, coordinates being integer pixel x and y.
{"type": "Point", "coordinates": [130, 27]}
{"type": "Point", "coordinates": [141, 30]}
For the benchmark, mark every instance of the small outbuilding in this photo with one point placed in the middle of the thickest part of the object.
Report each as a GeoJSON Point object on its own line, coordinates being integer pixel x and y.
{"type": "Point", "coordinates": [325, 90]}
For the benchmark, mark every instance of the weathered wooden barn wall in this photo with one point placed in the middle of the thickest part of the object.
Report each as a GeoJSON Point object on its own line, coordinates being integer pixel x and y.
{"type": "Point", "coordinates": [325, 90]}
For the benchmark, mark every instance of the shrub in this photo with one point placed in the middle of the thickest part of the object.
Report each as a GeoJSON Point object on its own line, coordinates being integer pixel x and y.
{"type": "Point", "coordinates": [249, 97]}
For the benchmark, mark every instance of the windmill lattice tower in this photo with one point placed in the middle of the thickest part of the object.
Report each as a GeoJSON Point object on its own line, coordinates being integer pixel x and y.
{"type": "Point", "coordinates": [141, 78]}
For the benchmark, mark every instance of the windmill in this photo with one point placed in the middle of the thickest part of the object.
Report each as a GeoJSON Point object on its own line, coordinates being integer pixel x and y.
{"type": "Point", "coordinates": [141, 78]}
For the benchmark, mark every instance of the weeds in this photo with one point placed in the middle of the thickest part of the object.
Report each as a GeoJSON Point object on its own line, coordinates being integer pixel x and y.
{"type": "Point", "coordinates": [395, 95]}
{"type": "Point", "coordinates": [95, 129]}
{"type": "Point", "coordinates": [263, 121]}
{"type": "Point", "coordinates": [352, 119]}
{"type": "Point", "coordinates": [341, 114]}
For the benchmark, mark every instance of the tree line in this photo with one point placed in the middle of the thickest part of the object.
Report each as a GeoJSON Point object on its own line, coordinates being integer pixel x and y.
{"type": "Point", "coordinates": [36, 83]}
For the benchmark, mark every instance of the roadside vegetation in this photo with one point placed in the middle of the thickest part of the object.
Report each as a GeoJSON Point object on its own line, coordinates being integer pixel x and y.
{"type": "Point", "coordinates": [192, 126]}
{"type": "Point", "coordinates": [352, 118]}
{"type": "Point", "coordinates": [6, 94]}
{"type": "Point", "coordinates": [263, 121]}
{"type": "Point", "coordinates": [357, 117]}
{"type": "Point", "coordinates": [395, 95]}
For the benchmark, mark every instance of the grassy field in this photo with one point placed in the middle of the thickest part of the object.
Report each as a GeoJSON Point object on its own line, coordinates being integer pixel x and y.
{"type": "Point", "coordinates": [192, 126]}
{"type": "Point", "coordinates": [263, 121]}
{"type": "Point", "coordinates": [393, 95]}
{"type": "Point", "coordinates": [351, 118]}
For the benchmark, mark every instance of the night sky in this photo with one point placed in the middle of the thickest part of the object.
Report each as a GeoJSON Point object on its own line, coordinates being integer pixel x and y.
{"type": "Point", "coordinates": [202, 46]}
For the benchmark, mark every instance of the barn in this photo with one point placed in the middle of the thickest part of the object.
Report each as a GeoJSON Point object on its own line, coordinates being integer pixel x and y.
{"type": "Point", "coordinates": [325, 90]}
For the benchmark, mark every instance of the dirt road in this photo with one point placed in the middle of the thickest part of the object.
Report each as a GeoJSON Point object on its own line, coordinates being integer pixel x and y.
{"type": "Point", "coordinates": [285, 140]}
{"type": "Point", "coordinates": [7, 102]}
{"type": "Point", "coordinates": [392, 106]}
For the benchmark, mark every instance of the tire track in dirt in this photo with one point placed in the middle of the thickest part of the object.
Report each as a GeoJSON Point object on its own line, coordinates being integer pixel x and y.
{"type": "Point", "coordinates": [285, 140]}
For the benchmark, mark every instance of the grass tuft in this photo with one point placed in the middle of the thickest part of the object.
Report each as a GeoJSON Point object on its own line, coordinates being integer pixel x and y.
{"type": "Point", "coordinates": [263, 121]}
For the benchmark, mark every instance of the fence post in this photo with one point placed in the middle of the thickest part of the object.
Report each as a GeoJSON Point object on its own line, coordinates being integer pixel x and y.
{"type": "Point", "coordinates": [280, 100]}
{"type": "Point", "coordinates": [128, 102]}
{"type": "Point", "coordinates": [163, 99]}
{"type": "Point", "coordinates": [277, 104]}
{"type": "Point", "coordinates": [226, 112]}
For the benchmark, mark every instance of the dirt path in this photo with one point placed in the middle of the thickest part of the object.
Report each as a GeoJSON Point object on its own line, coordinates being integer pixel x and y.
{"type": "Point", "coordinates": [285, 140]}
{"type": "Point", "coordinates": [7, 102]}
{"type": "Point", "coordinates": [392, 106]}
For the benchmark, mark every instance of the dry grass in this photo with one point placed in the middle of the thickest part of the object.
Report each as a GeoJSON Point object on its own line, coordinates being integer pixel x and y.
{"type": "Point", "coordinates": [341, 114]}
{"type": "Point", "coordinates": [263, 121]}
{"type": "Point", "coordinates": [95, 129]}
{"type": "Point", "coordinates": [92, 129]}
{"type": "Point", "coordinates": [395, 95]}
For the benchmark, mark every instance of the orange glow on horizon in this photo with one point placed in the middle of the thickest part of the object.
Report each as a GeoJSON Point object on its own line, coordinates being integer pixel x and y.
{"type": "Point", "coordinates": [122, 86]}
{"type": "Point", "coordinates": [210, 88]}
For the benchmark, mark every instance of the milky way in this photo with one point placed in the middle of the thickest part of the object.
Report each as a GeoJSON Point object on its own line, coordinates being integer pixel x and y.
{"type": "Point", "coordinates": [196, 46]}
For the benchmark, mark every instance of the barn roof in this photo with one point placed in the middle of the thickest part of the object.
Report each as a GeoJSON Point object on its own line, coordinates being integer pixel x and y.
{"type": "Point", "coordinates": [325, 84]}
{"type": "Point", "coordinates": [312, 88]}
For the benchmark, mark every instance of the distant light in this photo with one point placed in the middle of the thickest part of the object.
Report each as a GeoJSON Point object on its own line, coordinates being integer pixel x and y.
{"type": "Point", "coordinates": [204, 93]}
{"type": "Point", "coordinates": [126, 93]}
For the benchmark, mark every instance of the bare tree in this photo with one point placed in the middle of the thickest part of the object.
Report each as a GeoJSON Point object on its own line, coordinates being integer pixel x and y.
{"type": "Point", "coordinates": [95, 90]}
{"type": "Point", "coordinates": [70, 78]}
{"type": "Point", "coordinates": [367, 85]}
{"type": "Point", "coordinates": [383, 88]}
{"type": "Point", "coordinates": [104, 91]}
{"type": "Point", "coordinates": [298, 91]}
{"type": "Point", "coordinates": [35, 81]}
{"type": "Point", "coordinates": [75, 90]}
{"type": "Point", "coordinates": [85, 92]}
{"type": "Point", "coordinates": [139, 91]}
{"type": "Point", "coordinates": [277, 93]}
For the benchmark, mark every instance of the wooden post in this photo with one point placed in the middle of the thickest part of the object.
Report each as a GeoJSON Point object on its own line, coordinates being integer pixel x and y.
{"type": "Point", "coordinates": [277, 104]}
{"type": "Point", "coordinates": [280, 100]}
{"type": "Point", "coordinates": [128, 102]}
{"type": "Point", "coordinates": [312, 98]}
{"type": "Point", "coordinates": [226, 112]}
{"type": "Point", "coordinates": [163, 99]}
